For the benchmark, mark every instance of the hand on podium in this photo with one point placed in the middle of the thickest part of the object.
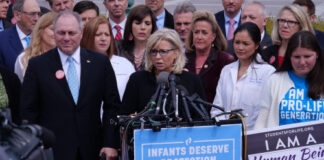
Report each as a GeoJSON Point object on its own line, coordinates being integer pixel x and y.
{"type": "Point", "coordinates": [108, 153]}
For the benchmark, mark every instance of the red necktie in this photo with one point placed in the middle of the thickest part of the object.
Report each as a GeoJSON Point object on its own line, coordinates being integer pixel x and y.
{"type": "Point", "coordinates": [118, 35]}
{"type": "Point", "coordinates": [230, 32]}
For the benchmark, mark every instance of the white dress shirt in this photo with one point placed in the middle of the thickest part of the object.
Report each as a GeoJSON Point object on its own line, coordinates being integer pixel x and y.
{"type": "Point", "coordinates": [244, 93]}
{"type": "Point", "coordinates": [236, 18]}
{"type": "Point", "coordinates": [122, 26]}
{"type": "Point", "coordinates": [123, 68]}
{"type": "Point", "coordinates": [22, 37]}
{"type": "Point", "coordinates": [19, 67]}
{"type": "Point", "coordinates": [76, 60]}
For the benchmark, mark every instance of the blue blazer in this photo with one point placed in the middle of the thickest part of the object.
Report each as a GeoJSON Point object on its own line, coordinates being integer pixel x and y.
{"type": "Point", "coordinates": [10, 47]}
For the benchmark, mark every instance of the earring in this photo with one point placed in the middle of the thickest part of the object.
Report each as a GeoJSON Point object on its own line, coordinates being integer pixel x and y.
{"type": "Point", "coordinates": [130, 37]}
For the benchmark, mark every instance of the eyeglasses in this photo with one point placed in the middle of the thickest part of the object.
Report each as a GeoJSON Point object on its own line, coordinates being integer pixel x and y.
{"type": "Point", "coordinates": [112, 1]}
{"type": "Point", "coordinates": [32, 14]}
{"type": "Point", "coordinates": [162, 52]}
{"type": "Point", "coordinates": [289, 23]}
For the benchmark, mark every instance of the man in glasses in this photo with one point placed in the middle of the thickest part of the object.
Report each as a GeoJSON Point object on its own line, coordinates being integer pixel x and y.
{"type": "Point", "coordinates": [15, 39]}
{"type": "Point", "coordinates": [4, 24]}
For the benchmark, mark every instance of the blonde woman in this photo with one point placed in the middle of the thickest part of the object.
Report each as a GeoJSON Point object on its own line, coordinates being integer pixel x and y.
{"type": "Point", "coordinates": [291, 19]}
{"type": "Point", "coordinates": [42, 40]}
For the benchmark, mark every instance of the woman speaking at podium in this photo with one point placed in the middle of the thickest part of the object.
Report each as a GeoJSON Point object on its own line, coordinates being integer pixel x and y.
{"type": "Point", "coordinates": [164, 53]}
{"type": "Point", "coordinates": [295, 93]}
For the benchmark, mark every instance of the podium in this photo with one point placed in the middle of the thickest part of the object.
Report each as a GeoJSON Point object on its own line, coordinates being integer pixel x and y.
{"type": "Point", "coordinates": [186, 143]}
{"type": "Point", "coordinates": [163, 140]}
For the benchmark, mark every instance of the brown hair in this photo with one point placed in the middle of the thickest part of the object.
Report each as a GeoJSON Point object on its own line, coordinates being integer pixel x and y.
{"type": "Point", "coordinates": [89, 33]}
{"type": "Point", "coordinates": [315, 77]}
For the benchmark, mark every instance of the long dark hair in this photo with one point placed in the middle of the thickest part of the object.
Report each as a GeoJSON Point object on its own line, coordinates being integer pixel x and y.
{"type": "Point", "coordinates": [137, 13]}
{"type": "Point", "coordinates": [254, 32]}
{"type": "Point", "coordinates": [315, 78]}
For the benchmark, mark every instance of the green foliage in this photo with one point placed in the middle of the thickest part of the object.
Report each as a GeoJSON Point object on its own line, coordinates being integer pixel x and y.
{"type": "Point", "coordinates": [319, 24]}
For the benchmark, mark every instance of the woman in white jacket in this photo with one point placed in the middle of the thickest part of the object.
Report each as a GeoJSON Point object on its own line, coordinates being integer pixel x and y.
{"type": "Point", "coordinates": [295, 93]}
{"type": "Point", "coordinates": [241, 82]}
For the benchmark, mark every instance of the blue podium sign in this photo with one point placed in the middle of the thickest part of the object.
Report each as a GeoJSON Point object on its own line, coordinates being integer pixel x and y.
{"type": "Point", "coordinates": [189, 143]}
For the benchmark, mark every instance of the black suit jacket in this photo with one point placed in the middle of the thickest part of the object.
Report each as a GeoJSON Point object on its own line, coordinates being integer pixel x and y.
{"type": "Point", "coordinates": [221, 21]}
{"type": "Point", "coordinates": [142, 85]}
{"type": "Point", "coordinates": [47, 101]}
{"type": "Point", "coordinates": [320, 38]}
{"type": "Point", "coordinates": [10, 47]}
{"type": "Point", "coordinates": [168, 21]}
{"type": "Point", "coordinates": [12, 85]}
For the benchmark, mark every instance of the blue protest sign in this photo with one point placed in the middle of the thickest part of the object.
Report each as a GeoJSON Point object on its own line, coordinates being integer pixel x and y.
{"type": "Point", "coordinates": [189, 143]}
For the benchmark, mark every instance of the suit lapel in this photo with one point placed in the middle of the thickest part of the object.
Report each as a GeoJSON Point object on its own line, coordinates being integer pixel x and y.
{"type": "Point", "coordinates": [15, 42]}
{"type": "Point", "coordinates": [85, 72]}
{"type": "Point", "coordinates": [56, 66]}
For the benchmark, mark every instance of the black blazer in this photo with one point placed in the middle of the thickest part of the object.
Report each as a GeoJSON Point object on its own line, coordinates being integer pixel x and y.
{"type": "Point", "coordinates": [47, 101]}
{"type": "Point", "coordinates": [168, 21]}
{"type": "Point", "coordinates": [221, 21]}
{"type": "Point", "coordinates": [270, 55]}
{"type": "Point", "coordinates": [266, 42]}
{"type": "Point", "coordinates": [12, 85]}
{"type": "Point", "coordinates": [142, 85]}
{"type": "Point", "coordinates": [320, 38]}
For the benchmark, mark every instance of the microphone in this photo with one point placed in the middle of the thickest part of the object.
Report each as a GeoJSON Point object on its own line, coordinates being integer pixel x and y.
{"type": "Point", "coordinates": [184, 92]}
{"type": "Point", "coordinates": [162, 80]}
{"type": "Point", "coordinates": [196, 98]}
{"type": "Point", "coordinates": [172, 79]}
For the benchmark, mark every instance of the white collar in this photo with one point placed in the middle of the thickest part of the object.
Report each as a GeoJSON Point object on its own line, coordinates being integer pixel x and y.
{"type": "Point", "coordinates": [75, 56]}
{"type": "Point", "coordinates": [121, 24]}
{"type": "Point", "coordinates": [21, 34]}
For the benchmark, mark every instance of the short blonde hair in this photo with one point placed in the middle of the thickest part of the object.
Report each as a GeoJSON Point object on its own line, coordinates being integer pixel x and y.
{"type": "Point", "coordinates": [173, 38]}
{"type": "Point", "coordinates": [219, 42]}
{"type": "Point", "coordinates": [301, 17]}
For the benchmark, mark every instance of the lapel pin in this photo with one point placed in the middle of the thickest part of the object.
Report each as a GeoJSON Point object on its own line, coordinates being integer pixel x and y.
{"type": "Point", "coordinates": [88, 61]}
{"type": "Point", "coordinates": [59, 74]}
{"type": "Point", "coordinates": [272, 59]}
{"type": "Point", "coordinates": [205, 66]}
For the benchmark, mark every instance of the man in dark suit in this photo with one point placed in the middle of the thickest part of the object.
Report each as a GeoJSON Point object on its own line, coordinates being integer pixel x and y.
{"type": "Point", "coordinates": [117, 16]}
{"type": "Point", "coordinates": [60, 5]}
{"type": "Point", "coordinates": [164, 19]}
{"type": "Point", "coordinates": [15, 39]}
{"type": "Point", "coordinates": [63, 90]}
{"type": "Point", "coordinates": [4, 24]}
{"type": "Point", "coordinates": [254, 12]}
{"type": "Point", "coordinates": [309, 8]}
{"type": "Point", "coordinates": [229, 18]}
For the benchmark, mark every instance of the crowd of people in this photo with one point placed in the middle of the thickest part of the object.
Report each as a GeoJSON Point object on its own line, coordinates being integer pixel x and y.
{"type": "Point", "coordinates": [73, 71]}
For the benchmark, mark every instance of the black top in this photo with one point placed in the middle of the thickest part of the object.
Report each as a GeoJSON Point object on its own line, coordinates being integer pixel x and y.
{"type": "Point", "coordinates": [12, 85]}
{"type": "Point", "coordinates": [142, 85]}
{"type": "Point", "coordinates": [270, 55]}
{"type": "Point", "coordinates": [168, 21]}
